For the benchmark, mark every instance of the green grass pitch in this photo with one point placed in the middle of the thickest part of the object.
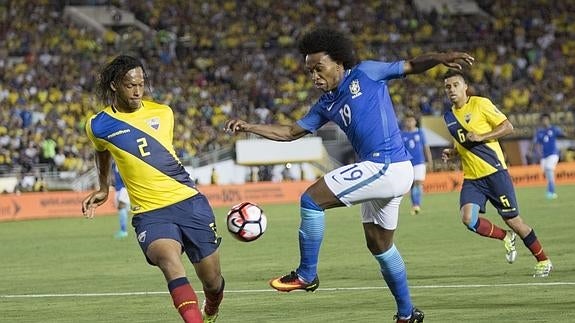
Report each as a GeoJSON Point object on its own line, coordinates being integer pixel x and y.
{"type": "Point", "coordinates": [72, 270]}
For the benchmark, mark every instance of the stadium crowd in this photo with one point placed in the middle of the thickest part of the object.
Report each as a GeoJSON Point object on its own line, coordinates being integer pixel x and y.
{"type": "Point", "coordinates": [211, 60]}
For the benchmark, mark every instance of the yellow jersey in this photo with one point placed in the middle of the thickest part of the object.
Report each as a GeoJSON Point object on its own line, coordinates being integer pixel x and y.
{"type": "Point", "coordinates": [479, 115]}
{"type": "Point", "coordinates": [141, 145]}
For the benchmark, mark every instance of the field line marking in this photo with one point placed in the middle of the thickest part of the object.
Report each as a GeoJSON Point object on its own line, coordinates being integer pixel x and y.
{"type": "Point", "coordinates": [246, 291]}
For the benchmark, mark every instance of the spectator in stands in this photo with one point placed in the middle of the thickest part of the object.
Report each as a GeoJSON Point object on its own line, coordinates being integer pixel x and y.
{"type": "Point", "coordinates": [48, 151]}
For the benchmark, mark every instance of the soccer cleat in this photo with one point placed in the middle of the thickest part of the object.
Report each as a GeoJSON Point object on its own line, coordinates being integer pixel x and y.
{"type": "Point", "coordinates": [121, 234]}
{"type": "Point", "coordinates": [543, 268]}
{"type": "Point", "coordinates": [551, 196]}
{"type": "Point", "coordinates": [292, 281]}
{"type": "Point", "coordinates": [509, 241]}
{"type": "Point", "coordinates": [208, 318]}
{"type": "Point", "coordinates": [415, 210]}
{"type": "Point", "coordinates": [416, 317]}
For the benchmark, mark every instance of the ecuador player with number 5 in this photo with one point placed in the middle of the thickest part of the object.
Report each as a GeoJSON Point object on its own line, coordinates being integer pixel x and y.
{"type": "Point", "coordinates": [476, 125]}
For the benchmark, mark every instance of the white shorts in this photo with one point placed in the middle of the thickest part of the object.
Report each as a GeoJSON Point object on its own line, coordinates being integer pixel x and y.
{"type": "Point", "coordinates": [122, 196]}
{"type": "Point", "coordinates": [419, 172]}
{"type": "Point", "coordinates": [549, 162]}
{"type": "Point", "coordinates": [379, 187]}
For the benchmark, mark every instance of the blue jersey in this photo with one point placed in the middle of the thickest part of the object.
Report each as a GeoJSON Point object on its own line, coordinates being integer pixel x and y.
{"type": "Point", "coordinates": [547, 138]}
{"type": "Point", "coordinates": [362, 108]}
{"type": "Point", "coordinates": [118, 182]}
{"type": "Point", "coordinates": [415, 143]}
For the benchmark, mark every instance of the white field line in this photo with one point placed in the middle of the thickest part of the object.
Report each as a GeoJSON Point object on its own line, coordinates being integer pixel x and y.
{"type": "Point", "coordinates": [249, 291]}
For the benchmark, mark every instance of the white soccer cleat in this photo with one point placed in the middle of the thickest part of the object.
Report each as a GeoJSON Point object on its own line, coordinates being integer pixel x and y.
{"type": "Point", "coordinates": [543, 268]}
{"type": "Point", "coordinates": [509, 241]}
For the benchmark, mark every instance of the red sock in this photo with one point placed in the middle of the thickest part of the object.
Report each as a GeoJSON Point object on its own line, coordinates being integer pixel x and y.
{"type": "Point", "coordinates": [213, 300]}
{"type": "Point", "coordinates": [487, 229]}
{"type": "Point", "coordinates": [185, 300]}
{"type": "Point", "coordinates": [532, 243]}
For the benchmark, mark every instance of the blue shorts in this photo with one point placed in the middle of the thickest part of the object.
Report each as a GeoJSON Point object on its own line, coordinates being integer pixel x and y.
{"type": "Point", "coordinates": [191, 222]}
{"type": "Point", "coordinates": [497, 188]}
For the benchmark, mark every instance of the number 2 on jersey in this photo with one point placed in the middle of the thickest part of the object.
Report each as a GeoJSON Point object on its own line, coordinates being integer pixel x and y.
{"type": "Point", "coordinates": [143, 143]}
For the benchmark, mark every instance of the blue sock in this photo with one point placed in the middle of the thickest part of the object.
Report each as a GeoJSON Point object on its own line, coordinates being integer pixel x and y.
{"type": "Point", "coordinates": [395, 275]}
{"type": "Point", "coordinates": [416, 193]}
{"type": "Point", "coordinates": [550, 175]}
{"type": "Point", "coordinates": [123, 215]}
{"type": "Point", "coordinates": [310, 237]}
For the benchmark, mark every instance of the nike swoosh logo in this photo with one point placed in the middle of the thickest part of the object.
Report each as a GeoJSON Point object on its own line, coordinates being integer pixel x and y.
{"type": "Point", "coordinates": [330, 106]}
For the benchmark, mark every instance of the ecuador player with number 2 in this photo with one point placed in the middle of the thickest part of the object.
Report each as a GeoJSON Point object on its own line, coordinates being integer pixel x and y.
{"type": "Point", "coordinates": [476, 125]}
{"type": "Point", "coordinates": [170, 215]}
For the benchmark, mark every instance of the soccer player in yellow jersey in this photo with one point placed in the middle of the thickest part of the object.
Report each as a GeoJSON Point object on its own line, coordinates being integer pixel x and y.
{"type": "Point", "coordinates": [476, 125]}
{"type": "Point", "coordinates": [170, 215]}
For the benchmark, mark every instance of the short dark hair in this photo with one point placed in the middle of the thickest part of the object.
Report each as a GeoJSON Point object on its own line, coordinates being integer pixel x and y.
{"type": "Point", "coordinates": [114, 71]}
{"type": "Point", "coordinates": [544, 115]}
{"type": "Point", "coordinates": [334, 43]}
{"type": "Point", "coordinates": [454, 72]}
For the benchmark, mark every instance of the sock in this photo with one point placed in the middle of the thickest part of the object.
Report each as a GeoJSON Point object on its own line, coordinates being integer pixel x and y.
{"type": "Point", "coordinates": [395, 275]}
{"type": "Point", "coordinates": [185, 300]}
{"type": "Point", "coordinates": [123, 215]}
{"type": "Point", "coordinates": [550, 176]}
{"type": "Point", "coordinates": [485, 228]}
{"type": "Point", "coordinates": [310, 237]}
{"type": "Point", "coordinates": [532, 243]}
{"type": "Point", "coordinates": [416, 193]}
{"type": "Point", "coordinates": [213, 300]}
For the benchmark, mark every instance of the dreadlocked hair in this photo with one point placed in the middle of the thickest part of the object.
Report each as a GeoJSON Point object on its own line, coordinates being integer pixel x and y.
{"type": "Point", "coordinates": [114, 71]}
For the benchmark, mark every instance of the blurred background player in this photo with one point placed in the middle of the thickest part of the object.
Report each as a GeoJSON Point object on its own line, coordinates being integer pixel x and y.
{"type": "Point", "coordinates": [356, 98]}
{"type": "Point", "coordinates": [545, 139]}
{"type": "Point", "coordinates": [476, 125]}
{"type": "Point", "coordinates": [122, 202]}
{"type": "Point", "coordinates": [414, 141]}
{"type": "Point", "coordinates": [170, 215]}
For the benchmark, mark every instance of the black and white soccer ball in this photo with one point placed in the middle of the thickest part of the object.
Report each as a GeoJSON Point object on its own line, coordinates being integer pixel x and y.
{"type": "Point", "coordinates": [246, 221]}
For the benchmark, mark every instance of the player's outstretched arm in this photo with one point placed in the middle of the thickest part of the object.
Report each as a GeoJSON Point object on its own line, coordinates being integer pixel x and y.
{"type": "Point", "coordinates": [97, 198]}
{"type": "Point", "coordinates": [424, 62]}
{"type": "Point", "coordinates": [272, 132]}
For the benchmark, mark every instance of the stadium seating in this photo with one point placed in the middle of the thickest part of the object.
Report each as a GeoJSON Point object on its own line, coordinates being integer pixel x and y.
{"type": "Point", "coordinates": [238, 59]}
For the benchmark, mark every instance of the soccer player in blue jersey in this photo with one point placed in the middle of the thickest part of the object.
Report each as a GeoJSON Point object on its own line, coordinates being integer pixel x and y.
{"type": "Point", "coordinates": [356, 98]}
{"type": "Point", "coordinates": [476, 125]}
{"type": "Point", "coordinates": [170, 215]}
{"type": "Point", "coordinates": [546, 139]}
{"type": "Point", "coordinates": [122, 202]}
{"type": "Point", "coordinates": [414, 140]}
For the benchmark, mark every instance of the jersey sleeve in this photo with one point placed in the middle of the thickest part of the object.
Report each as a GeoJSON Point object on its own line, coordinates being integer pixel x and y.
{"type": "Point", "coordinates": [422, 137]}
{"type": "Point", "coordinates": [558, 131]}
{"type": "Point", "coordinates": [98, 144]}
{"type": "Point", "coordinates": [492, 114]}
{"type": "Point", "coordinates": [313, 120]}
{"type": "Point", "coordinates": [536, 136]}
{"type": "Point", "coordinates": [382, 71]}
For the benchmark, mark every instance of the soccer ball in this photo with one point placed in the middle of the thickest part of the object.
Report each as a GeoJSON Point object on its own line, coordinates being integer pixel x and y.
{"type": "Point", "coordinates": [246, 222]}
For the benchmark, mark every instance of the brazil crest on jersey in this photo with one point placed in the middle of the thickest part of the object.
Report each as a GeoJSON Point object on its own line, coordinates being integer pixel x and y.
{"type": "Point", "coordinates": [141, 145]}
{"type": "Point", "coordinates": [478, 115]}
{"type": "Point", "coordinates": [362, 108]}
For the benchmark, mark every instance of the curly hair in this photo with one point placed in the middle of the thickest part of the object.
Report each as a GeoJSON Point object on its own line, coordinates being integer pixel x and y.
{"type": "Point", "coordinates": [334, 43]}
{"type": "Point", "coordinates": [114, 71]}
